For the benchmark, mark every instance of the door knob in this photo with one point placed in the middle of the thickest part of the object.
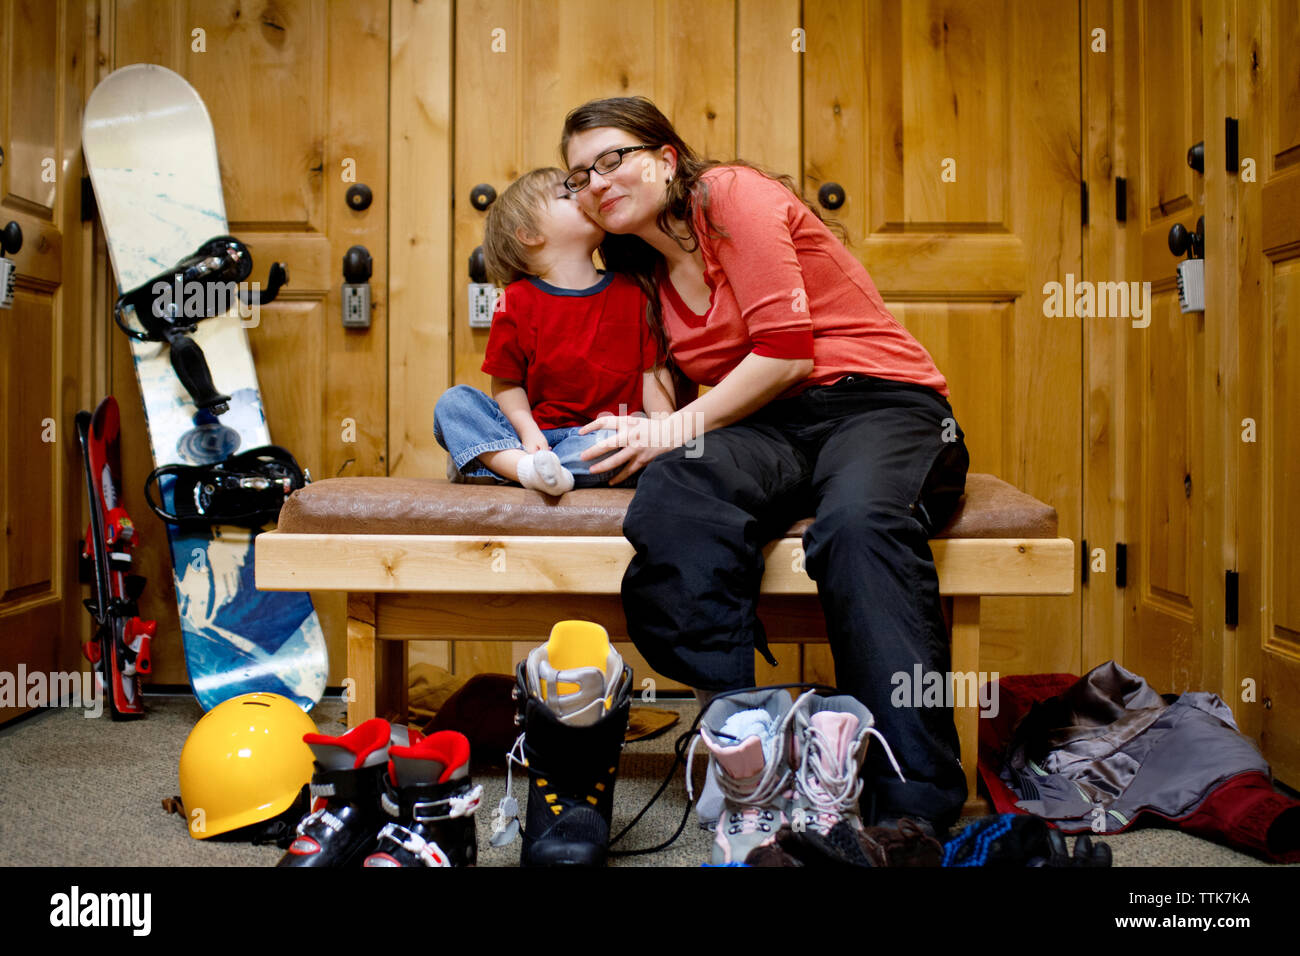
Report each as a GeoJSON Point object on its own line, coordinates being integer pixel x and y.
{"type": "Point", "coordinates": [482, 196]}
{"type": "Point", "coordinates": [831, 195]}
{"type": "Point", "coordinates": [477, 265]}
{"type": "Point", "coordinates": [1192, 243]}
{"type": "Point", "coordinates": [357, 268]}
{"type": "Point", "coordinates": [1196, 157]}
{"type": "Point", "coordinates": [11, 238]}
{"type": "Point", "coordinates": [359, 197]}
{"type": "Point", "coordinates": [1190, 274]}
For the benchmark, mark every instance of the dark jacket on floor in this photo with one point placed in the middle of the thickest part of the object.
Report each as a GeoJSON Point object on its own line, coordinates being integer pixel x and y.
{"type": "Point", "coordinates": [1097, 753]}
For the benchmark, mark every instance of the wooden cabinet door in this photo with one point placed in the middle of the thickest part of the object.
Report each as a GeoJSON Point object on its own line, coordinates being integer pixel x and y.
{"type": "Point", "coordinates": [43, 348]}
{"type": "Point", "coordinates": [953, 131]}
{"type": "Point", "coordinates": [520, 67]}
{"type": "Point", "coordinates": [877, 96]}
{"type": "Point", "coordinates": [298, 93]}
{"type": "Point", "coordinates": [1264, 425]}
{"type": "Point", "coordinates": [1166, 482]}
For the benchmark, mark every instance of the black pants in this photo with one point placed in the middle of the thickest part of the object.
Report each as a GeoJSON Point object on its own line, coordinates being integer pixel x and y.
{"type": "Point", "coordinates": [881, 466]}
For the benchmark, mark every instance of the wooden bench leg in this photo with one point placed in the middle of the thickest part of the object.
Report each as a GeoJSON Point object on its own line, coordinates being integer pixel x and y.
{"type": "Point", "coordinates": [376, 667]}
{"type": "Point", "coordinates": [966, 660]}
{"type": "Point", "coordinates": [361, 658]}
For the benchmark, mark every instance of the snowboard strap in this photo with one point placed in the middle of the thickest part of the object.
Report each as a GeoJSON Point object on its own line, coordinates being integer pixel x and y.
{"type": "Point", "coordinates": [160, 305]}
{"type": "Point", "coordinates": [204, 284]}
{"type": "Point", "coordinates": [247, 489]}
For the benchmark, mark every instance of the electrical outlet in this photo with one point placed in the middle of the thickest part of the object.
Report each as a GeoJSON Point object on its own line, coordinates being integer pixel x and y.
{"type": "Point", "coordinates": [356, 305]}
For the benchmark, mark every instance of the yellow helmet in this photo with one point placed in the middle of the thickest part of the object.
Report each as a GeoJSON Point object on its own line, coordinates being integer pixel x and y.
{"type": "Point", "coordinates": [244, 762]}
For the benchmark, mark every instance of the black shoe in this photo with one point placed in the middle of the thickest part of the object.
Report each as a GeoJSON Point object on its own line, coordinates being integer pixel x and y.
{"type": "Point", "coordinates": [429, 801]}
{"type": "Point", "coordinates": [345, 816]}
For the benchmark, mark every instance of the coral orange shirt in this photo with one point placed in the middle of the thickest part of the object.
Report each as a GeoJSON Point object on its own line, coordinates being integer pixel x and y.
{"type": "Point", "coordinates": [781, 285]}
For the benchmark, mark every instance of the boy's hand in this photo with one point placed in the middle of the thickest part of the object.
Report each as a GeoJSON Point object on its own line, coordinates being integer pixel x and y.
{"type": "Point", "coordinates": [535, 443]}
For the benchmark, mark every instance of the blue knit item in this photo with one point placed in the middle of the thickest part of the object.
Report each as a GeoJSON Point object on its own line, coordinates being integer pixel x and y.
{"type": "Point", "coordinates": [976, 839]}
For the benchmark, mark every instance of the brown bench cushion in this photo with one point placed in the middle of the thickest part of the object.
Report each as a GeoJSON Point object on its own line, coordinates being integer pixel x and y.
{"type": "Point", "coordinates": [991, 508]}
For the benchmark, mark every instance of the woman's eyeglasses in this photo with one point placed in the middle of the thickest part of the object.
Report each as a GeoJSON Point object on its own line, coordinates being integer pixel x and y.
{"type": "Point", "coordinates": [605, 164]}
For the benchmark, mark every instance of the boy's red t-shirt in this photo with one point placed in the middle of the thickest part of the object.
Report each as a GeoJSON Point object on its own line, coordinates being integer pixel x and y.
{"type": "Point", "coordinates": [579, 353]}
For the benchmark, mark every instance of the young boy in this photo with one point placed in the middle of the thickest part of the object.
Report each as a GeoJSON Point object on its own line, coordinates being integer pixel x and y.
{"type": "Point", "coordinates": [568, 343]}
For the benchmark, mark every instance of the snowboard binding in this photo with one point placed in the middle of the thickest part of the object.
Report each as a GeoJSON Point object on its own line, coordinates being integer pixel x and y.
{"type": "Point", "coordinates": [120, 649]}
{"type": "Point", "coordinates": [247, 489]}
{"type": "Point", "coordinates": [200, 286]}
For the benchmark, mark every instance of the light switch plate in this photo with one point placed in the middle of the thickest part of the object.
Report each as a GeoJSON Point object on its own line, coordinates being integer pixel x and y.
{"type": "Point", "coordinates": [7, 271]}
{"type": "Point", "coordinates": [1191, 285]}
{"type": "Point", "coordinates": [482, 299]}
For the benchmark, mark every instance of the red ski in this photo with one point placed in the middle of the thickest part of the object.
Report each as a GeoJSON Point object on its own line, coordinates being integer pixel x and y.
{"type": "Point", "coordinates": [119, 650]}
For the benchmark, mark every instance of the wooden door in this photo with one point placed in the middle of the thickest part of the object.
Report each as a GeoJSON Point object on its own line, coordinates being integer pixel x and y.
{"type": "Point", "coordinates": [44, 370]}
{"type": "Point", "coordinates": [953, 131]}
{"type": "Point", "coordinates": [521, 66]}
{"type": "Point", "coordinates": [298, 94]}
{"type": "Point", "coordinates": [1167, 486]}
{"type": "Point", "coordinates": [1264, 423]}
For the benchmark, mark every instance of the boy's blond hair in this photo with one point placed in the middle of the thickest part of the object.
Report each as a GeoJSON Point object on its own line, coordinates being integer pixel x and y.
{"type": "Point", "coordinates": [505, 256]}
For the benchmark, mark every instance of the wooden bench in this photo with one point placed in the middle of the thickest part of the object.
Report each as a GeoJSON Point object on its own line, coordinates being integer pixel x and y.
{"type": "Point", "coordinates": [422, 559]}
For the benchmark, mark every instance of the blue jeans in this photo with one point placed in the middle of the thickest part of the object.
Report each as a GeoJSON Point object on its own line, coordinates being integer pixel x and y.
{"type": "Point", "coordinates": [469, 423]}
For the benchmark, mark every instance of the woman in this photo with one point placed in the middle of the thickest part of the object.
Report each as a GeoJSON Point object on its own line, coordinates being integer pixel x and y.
{"type": "Point", "coordinates": [821, 404]}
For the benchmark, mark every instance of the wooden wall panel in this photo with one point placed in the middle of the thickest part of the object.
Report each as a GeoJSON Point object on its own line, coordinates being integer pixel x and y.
{"type": "Point", "coordinates": [1172, 105]}
{"type": "Point", "coordinates": [32, 117]}
{"type": "Point", "coordinates": [297, 91]}
{"type": "Point", "coordinates": [1170, 484]}
{"type": "Point", "coordinates": [956, 90]}
{"type": "Point", "coordinates": [1107, 158]}
{"type": "Point", "coordinates": [29, 560]}
{"type": "Point", "coordinates": [43, 338]}
{"type": "Point", "coordinates": [520, 67]}
{"type": "Point", "coordinates": [769, 63]}
{"type": "Point", "coordinates": [1283, 441]}
{"type": "Point", "coordinates": [896, 96]}
{"type": "Point", "coordinates": [1264, 666]}
{"type": "Point", "coordinates": [422, 272]}
{"type": "Point", "coordinates": [1284, 111]}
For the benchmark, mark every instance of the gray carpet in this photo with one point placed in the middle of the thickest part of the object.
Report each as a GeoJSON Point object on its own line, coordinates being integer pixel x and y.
{"type": "Point", "coordinates": [79, 792]}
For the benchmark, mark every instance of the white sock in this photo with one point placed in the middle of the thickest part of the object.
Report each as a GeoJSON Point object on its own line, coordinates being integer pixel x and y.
{"type": "Point", "coordinates": [542, 471]}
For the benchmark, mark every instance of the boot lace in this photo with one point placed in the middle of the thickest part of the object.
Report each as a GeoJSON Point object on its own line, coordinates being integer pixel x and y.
{"type": "Point", "coordinates": [750, 807]}
{"type": "Point", "coordinates": [832, 786]}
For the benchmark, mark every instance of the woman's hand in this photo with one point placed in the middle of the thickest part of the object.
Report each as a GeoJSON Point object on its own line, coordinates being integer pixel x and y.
{"type": "Point", "coordinates": [640, 440]}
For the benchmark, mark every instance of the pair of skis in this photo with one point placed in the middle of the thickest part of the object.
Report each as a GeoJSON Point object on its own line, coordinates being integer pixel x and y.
{"type": "Point", "coordinates": [119, 650]}
{"type": "Point", "coordinates": [247, 488]}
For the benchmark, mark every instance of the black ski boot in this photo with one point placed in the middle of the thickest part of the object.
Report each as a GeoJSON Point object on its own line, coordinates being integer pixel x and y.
{"type": "Point", "coordinates": [430, 802]}
{"type": "Point", "coordinates": [345, 788]}
{"type": "Point", "coordinates": [575, 695]}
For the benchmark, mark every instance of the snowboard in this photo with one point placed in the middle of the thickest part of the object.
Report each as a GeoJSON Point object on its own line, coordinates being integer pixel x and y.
{"type": "Point", "coordinates": [119, 650]}
{"type": "Point", "coordinates": [152, 159]}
